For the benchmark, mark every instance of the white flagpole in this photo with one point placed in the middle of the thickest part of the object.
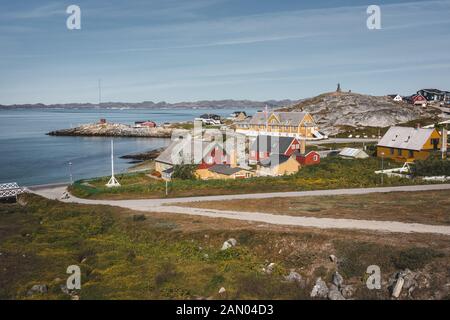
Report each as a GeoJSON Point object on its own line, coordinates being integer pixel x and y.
{"type": "Point", "coordinates": [113, 181]}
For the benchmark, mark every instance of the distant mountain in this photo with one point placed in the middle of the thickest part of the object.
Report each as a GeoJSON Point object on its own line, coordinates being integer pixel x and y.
{"type": "Point", "coordinates": [214, 104]}
{"type": "Point", "coordinates": [337, 110]}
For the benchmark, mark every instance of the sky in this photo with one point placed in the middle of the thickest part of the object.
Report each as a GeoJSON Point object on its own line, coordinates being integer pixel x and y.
{"type": "Point", "coordinates": [190, 50]}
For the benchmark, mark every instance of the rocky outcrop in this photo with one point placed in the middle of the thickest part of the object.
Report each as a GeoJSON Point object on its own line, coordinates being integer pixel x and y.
{"type": "Point", "coordinates": [334, 111]}
{"type": "Point", "coordinates": [113, 130]}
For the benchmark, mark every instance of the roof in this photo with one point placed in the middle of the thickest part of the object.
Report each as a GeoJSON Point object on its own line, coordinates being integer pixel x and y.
{"type": "Point", "coordinates": [405, 138]}
{"type": "Point", "coordinates": [173, 154]}
{"type": "Point", "coordinates": [274, 159]}
{"type": "Point", "coordinates": [352, 152]}
{"type": "Point", "coordinates": [434, 91]}
{"type": "Point", "coordinates": [268, 144]}
{"type": "Point", "coordinates": [286, 118]}
{"type": "Point", "coordinates": [224, 169]}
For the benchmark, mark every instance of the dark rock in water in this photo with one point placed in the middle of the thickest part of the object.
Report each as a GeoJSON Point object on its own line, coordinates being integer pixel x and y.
{"type": "Point", "coordinates": [149, 155]}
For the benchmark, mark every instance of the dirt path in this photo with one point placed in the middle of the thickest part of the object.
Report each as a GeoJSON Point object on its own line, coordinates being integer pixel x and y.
{"type": "Point", "coordinates": [162, 205]}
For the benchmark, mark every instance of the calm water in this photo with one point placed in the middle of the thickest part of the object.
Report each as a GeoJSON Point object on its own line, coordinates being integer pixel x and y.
{"type": "Point", "coordinates": [30, 157]}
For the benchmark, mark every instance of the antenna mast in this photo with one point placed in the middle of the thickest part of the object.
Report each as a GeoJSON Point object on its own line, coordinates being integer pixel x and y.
{"type": "Point", "coordinates": [99, 92]}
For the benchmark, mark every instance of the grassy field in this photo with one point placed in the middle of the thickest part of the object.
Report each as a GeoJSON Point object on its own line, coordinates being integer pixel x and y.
{"type": "Point", "coordinates": [332, 173]}
{"type": "Point", "coordinates": [126, 255]}
{"type": "Point", "coordinates": [430, 207]}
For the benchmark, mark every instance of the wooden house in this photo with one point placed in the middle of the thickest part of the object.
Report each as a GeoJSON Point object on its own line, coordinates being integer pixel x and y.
{"type": "Point", "coordinates": [263, 146]}
{"type": "Point", "coordinates": [408, 144]}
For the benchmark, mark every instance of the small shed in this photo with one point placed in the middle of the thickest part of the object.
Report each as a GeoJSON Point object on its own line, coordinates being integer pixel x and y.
{"type": "Point", "coordinates": [352, 153]}
{"type": "Point", "coordinates": [309, 159]}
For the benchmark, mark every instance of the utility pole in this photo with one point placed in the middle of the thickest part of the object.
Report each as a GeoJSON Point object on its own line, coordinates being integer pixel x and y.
{"type": "Point", "coordinates": [167, 188]}
{"type": "Point", "coordinates": [70, 173]}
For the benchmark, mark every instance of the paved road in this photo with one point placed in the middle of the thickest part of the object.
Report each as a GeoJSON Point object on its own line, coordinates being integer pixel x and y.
{"type": "Point", "coordinates": [167, 206]}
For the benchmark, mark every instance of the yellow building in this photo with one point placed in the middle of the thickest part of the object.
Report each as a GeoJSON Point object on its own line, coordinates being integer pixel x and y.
{"type": "Point", "coordinates": [278, 165]}
{"type": "Point", "coordinates": [404, 144]}
{"type": "Point", "coordinates": [223, 171]}
{"type": "Point", "coordinates": [287, 124]}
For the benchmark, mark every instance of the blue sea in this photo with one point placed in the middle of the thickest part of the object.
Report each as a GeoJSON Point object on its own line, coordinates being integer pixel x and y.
{"type": "Point", "coordinates": [29, 157]}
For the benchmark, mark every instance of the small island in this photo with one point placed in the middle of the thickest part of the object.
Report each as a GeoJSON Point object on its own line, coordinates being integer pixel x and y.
{"type": "Point", "coordinates": [106, 129]}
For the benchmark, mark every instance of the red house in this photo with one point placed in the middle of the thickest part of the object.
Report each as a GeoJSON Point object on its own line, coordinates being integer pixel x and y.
{"type": "Point", "coordinates": [145, 124]}
{"type": "Point", "coordinates": [309, 159]}
{"type": "Point", "coordinates": [264, 146]}
{"type": "Point", "coordinates": [418, 99]}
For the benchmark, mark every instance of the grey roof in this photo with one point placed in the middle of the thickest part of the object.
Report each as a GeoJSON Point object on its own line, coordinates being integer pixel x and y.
{"type": "Point", "coordinates": [286, 118]}
{"type": "Point", "coordinates": [224, 169]}
{"type": "Point", "coordinates": [405, 138]}
{"type": "Point", "coordinates": [271, 144]}
{"type": "Point", "coordinates": [353, 153]}
{"type": "Point", "coordinates": [174, 153]}
{"type": "Point", "coordinates": [274, 159]}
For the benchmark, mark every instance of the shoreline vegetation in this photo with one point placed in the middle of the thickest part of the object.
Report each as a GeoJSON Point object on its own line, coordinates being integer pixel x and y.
{"type": "Point", "coordinates": [331, 173]}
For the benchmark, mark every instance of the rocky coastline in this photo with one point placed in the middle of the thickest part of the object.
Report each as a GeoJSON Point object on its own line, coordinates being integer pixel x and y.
{"type": "Point", "coordinates": [113, 130]}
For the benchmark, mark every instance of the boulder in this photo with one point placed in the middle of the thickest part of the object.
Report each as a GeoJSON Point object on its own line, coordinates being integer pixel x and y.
{"type": "Point", "coordinates": [320, 289]}
{"type": "Point", "coordinates": [269, 269]}
{"type": "Point", "coordinates": [333, 258]}
{"type": "Point", "coordinates": [398, 287]}
{"type": "Point", "coordinates": [222, 290]}
{"type": "Point", "coordinates": [348, 291]}
{"type": "Point", "coordinates": [293, 277]}
{"type": "Point", "coordinates": [410, 282]}
{"type": "Point", "coordinates": [229, 244]}
{"type": "Point", "coordinates": [337, 279]}
{"type": "Point", "coordinates": [37, 288]}
{"type": "Point", "coordinates": [65, 196]}
{"type": "Point", "coordinates": [335, 295]}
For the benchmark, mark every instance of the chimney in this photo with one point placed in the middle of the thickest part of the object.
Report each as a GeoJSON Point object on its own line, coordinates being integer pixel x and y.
{"type": "Point", "coordinates": [302, 146]}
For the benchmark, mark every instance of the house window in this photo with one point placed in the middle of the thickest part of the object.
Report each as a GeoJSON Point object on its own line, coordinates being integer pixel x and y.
{"type": "Point", "coordinates": [315, 158]}
{"type": "Point", "coordinates": [399, 152]}
{"type": "Point", "coordinates": [392, 151]}
{"type": "Point", "coordinates": [411, 153]}
{"type": "Point", "coordinates": [435, 143]}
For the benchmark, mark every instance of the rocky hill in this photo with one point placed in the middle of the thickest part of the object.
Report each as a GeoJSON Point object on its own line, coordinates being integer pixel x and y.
{"type": "Point", "coordinates": [336, 111]}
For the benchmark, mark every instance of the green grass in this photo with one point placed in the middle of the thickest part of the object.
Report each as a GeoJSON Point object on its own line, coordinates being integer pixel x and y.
{"type": "Point", "coordinates": [123, 255]}
{"type": "Point", "coordinates": [332, 173]}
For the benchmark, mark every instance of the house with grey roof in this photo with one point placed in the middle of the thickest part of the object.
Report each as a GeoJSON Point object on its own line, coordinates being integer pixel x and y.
{"type": "Point", "coordinates": [278, 165]}
{"type": "Point", "coordinates": [353, 153]}
{"type": "Point", "coordinates": [186, 151]}
{"type": "Point", "coordinates": [287, 124]}
{"type": "Point", "coordinates": [408, 144]}
{"type": "Point", "coordinates": [263, 146]}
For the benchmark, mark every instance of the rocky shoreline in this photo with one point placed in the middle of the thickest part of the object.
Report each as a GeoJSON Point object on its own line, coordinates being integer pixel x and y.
{"type": "Point", "coordinates": [113, 130]}
{"type": "Point", "coordinates": [143, 156]}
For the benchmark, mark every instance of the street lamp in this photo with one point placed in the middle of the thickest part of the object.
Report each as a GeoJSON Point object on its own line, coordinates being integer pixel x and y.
{"type": "Point", "coordinates": [382, 167]}
{"type": "Point", "coordinates": [70, 173]}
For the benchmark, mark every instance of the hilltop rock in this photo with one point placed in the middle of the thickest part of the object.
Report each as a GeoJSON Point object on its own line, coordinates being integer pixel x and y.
{"type": "Point", "coordinates": [332, 111]}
